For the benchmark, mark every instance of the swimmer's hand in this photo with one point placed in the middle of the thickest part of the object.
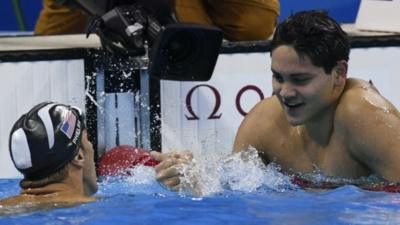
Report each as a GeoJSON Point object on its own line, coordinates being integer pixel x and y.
{"type": "Point", "coordinates": [174, 171]}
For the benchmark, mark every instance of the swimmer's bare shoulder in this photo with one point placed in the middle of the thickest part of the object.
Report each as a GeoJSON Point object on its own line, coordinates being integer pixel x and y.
{"type": "Point", "coordinates": [46, 199]}
{"type": "Point", "coordinates": [360, 102]}
{"type": "Point", "coordinates": [261, 126]}
{"type": "Point", "coordinates": [29, 203]}
{"type": "Point", "coordinates": [372, 126]}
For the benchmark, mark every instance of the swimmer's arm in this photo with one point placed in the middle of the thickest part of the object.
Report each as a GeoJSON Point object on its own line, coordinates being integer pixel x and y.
{"type": "Point", "coordinates": [373, 126]}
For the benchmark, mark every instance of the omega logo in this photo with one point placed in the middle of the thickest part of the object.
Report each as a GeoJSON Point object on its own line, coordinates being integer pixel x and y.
{"type": "Point", "coordinates": [214, 114]}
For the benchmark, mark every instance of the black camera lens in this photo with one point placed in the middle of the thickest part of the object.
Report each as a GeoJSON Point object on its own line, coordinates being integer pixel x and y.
{"type": "Point", "coordinates": [182, 48]}
{"type": "Point", "coordinates": [185, 52]}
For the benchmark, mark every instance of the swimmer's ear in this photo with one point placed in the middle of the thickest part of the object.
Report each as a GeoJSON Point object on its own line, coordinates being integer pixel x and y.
{"type": "Point", "coordinates": [340, 72]}
{"type": "Point", "coordinates": [79, 159]}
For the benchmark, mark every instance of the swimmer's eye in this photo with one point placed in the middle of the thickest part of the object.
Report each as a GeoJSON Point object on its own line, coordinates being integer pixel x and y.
{"type": "Point", "coordinates": [277, 77]}
{"type": "Point", "coordinates": [301, 80]}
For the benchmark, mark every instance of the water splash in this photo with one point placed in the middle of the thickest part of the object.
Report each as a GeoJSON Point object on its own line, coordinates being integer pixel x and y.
{"type": "Point", "coordinates": [141, 175]}
{"type": "Point", "coordinates": [141, 180]}
{"type": "Point", "coordinates": [378, 104]}
{"type": "Point", "coordinates": [214, 173]}
{"type": "Point", "coordinates": [91, 98]}
{"type": "Point", "coordinates": [243, 172]}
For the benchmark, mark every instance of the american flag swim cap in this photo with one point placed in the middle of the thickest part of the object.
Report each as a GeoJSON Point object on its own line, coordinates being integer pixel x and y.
{"type": "Point", "coordinates": [45, 139]}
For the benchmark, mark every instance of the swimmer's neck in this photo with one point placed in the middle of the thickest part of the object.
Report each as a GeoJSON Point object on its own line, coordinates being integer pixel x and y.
{"type": "Point", "coordinates": [50, 189]}
{"type": "Point", "coordinates": [319, 129]}
{"type": "Point", "coordinates": [63, 189]}
{"type": "Point", "coordinates": [57, 193]}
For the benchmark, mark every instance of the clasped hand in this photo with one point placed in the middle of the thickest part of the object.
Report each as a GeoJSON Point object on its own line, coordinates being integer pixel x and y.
{"type": "Point", "coordinates": [176, 171]}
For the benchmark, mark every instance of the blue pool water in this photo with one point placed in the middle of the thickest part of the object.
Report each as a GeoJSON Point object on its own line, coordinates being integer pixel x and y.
{"type": "Point", "coordinates": [139, 199]}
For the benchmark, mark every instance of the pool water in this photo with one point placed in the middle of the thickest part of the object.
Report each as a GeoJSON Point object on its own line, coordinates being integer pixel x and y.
{"type": "Point", "coordinates": [139, 199]}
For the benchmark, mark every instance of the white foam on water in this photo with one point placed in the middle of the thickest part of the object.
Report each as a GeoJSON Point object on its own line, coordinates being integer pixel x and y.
{"type": "Point", "coordinates": [213, 172]}
{"type": "Point", "coordinates": [243, 171]}
{"type": "Point", "coordinates": [141, 175]}
{"type": "Point", "coordinates": [141, 180]}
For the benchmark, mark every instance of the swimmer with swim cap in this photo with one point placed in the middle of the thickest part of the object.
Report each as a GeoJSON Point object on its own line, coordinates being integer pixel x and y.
{"type": "Point", "coordinates": [50, 147]}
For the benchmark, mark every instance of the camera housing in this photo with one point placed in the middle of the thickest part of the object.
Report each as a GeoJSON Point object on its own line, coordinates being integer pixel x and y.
{"type": "Point", "coordinates": [178, 51]}
{"type": "Point", "coordinates": [185, 52]}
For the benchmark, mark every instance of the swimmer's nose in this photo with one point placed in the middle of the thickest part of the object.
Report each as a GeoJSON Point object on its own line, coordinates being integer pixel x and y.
{"type": "Point", "coordinates": [287, 91]}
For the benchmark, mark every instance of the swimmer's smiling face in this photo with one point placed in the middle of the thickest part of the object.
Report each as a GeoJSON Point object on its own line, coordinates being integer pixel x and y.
{"type": "Point", "coordinates": [303, 89]}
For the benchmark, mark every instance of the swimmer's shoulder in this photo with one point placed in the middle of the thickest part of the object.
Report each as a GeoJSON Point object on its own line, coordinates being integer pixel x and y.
{"type": "Point", "coordinates": [261, 124]}
{"type": "Point", "coordinates": [38, 200]}
{"type": "Point", "coordinates": [361, 99]}
{"type": "Point", "coordinates": [354, 85]}
{"type": "Point", "coordinates": [268, 111]}
{"type": "Point", "coordinates": [25, 204]}
{"type": "Point", "coordinates": [5, 202]}
{"type": "Point", "coordinates": [362, 95]}
{"type": "Point", "coordinates": [265, 116]}
{"type": "Point", "coordinates": [14, 200]}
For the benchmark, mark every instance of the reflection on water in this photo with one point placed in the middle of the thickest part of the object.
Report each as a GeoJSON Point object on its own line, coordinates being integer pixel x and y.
{"type": "Point", "coordinates": [371, 215]}
{"type": "Point", "coordinates": [376, 208]}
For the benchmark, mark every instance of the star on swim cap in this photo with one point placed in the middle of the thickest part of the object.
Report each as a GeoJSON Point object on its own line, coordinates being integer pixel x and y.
{"type": "Point", "coordinates": [45, 139]}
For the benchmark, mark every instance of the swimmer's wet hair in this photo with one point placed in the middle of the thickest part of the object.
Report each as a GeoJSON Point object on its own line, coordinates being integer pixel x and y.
{"type": "Point", "coordinates": [316, 35]}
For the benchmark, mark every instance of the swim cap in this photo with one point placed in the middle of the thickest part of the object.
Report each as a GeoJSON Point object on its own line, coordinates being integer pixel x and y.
{"type": "Point", "coordinates": [45, 139]}
{"type": "Point", "coordinates": [120, 159]}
